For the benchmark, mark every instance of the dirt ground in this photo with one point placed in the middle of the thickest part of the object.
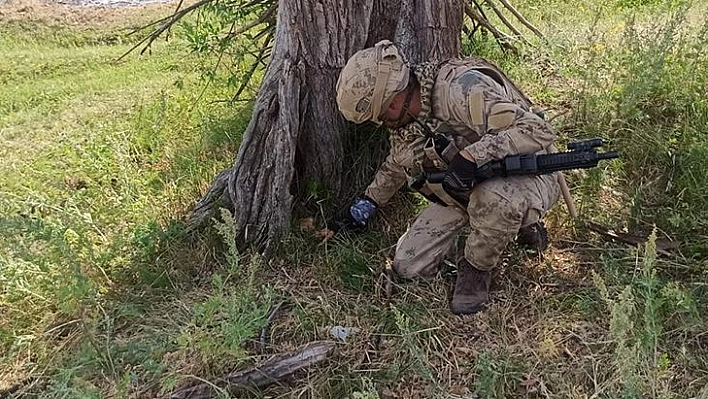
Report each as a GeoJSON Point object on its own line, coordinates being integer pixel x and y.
{"type": "Point", "coordinates": [87, 16]}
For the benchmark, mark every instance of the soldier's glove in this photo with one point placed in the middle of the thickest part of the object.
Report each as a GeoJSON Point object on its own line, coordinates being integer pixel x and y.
{"type": "Point", "coordinates": [358, 215]}
{"type": "Point", "coordinates": [459, 176]}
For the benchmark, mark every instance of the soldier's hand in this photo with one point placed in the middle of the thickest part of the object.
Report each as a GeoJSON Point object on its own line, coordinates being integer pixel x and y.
{"type": "Point", "coordinates": [459, 176]}
{"type": "Point", "coordinates": [361, 210]}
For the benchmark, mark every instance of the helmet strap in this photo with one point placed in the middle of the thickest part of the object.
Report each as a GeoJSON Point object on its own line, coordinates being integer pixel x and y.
{"type": "Point", "coordinates": [410, 90]}
{"type": "Point", "coordinates": [407, 102]}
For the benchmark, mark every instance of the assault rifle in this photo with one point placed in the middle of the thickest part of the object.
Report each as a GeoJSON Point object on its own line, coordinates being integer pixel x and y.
{"type": "Point", "coordinates": [580, 155]}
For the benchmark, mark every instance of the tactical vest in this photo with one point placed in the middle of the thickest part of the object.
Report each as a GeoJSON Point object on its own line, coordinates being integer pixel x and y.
{"type": "Point", "coordinates": [438, 141]}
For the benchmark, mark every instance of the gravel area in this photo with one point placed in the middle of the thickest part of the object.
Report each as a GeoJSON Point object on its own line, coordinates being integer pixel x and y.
{"type": "Point", "coordinates": [109, 3]}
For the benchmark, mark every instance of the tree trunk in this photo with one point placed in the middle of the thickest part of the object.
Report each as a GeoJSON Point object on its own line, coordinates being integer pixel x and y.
{"type": "Point", "coordinates": [430, 29]}
{"type": "Point", "coordinates": [296, 134]}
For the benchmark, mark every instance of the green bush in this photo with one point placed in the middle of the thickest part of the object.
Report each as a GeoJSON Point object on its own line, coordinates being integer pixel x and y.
{"type": "Point", "coordinates": [647, 95]}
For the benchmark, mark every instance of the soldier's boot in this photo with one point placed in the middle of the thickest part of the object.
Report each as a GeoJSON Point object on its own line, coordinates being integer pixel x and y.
{"type": "Point", "coordinates": [533, 236]}
{"type": "Point", "coordinates": [471, 289]}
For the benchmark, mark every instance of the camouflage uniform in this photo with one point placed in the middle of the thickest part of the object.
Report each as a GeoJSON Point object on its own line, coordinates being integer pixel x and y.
{"type": "Point", "coordinates": [476, 107]}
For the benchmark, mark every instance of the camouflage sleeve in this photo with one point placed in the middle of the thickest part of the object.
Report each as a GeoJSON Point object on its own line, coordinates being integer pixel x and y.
{"type": "Point", "coordinates": [389, 178]}
{"type": "Point", "coordinates": [505, 127]}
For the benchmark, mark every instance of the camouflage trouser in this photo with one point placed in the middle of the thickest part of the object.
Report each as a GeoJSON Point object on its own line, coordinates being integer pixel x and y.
{"type": "Point", "coordinates": [498, 208]}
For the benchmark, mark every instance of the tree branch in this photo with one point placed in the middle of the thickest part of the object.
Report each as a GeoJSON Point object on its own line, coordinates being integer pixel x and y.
{"type": "Point", "coordinates": [166, 23]}
{"type": "Point", "coordinates": [502, 38]}
{"type": "Point", "coordinates": [506, 21]}
{"type": "Point", "coordinates": [521, 18]}
{"type": "Point", "coordinates": [261, 19]}
{"type": "Point", "coordinates": [254, 66]}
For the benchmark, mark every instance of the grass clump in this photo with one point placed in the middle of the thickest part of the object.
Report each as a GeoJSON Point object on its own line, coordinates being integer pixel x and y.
{"type": "Point", "coordinates": [497, 376]}
{"type": "Point", "coordinates": [653, 110]}
{"type": "Point", "coordinates": [233, 311]}
{"type": "Point", "coordinates": [644, 92]}
{"type": "Point", "coordinates": [646, 317]}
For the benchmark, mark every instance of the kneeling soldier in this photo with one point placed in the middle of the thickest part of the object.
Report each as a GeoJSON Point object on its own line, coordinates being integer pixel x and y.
{"type": "Point", "coordinates": [450, 117]}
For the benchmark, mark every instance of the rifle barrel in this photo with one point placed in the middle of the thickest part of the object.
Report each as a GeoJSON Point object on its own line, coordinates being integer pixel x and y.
{"type": "Point", "coordinates": [608, 155]}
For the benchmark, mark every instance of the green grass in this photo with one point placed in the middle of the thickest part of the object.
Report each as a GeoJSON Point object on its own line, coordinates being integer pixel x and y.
{"type": "Point", "coordinates": [102, 295]}
{"type": "Point", "coordinates": [100, 160]}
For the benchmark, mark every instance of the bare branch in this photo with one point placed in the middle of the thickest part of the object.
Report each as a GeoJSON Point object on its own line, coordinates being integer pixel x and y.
{"type": "Point", "coordinates": [261, 19]}
{"type": "Point", "coordinates": [480, 9]}
{"type": "Point", "coordinates": [502, 38]}
{"type": "Point", "coordinates": [254, 66]}
{"type": "Point", "coordinates": [506, 21]}
{"type": "Point", "coordinates": [257, 3]}
{"type": "Point", "coordinates": [269, 29]}
{"type": "Point", "coordinates": [521, 18]}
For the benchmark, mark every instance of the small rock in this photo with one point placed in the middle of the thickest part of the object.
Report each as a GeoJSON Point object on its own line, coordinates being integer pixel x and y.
{"type": "Point", "coordinates": [342, 333]}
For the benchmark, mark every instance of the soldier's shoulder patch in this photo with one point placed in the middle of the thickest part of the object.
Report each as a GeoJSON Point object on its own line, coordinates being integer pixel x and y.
{"type": "Point", "coordinates": [501, 115]}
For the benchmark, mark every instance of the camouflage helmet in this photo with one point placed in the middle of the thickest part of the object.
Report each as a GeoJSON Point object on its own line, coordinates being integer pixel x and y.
{"type": "Point", "coordinates": [369, 81]}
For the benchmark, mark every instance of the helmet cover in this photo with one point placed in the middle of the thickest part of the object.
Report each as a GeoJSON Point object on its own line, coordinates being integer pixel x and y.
{"type": "Point", "coordinates": [369, 81]}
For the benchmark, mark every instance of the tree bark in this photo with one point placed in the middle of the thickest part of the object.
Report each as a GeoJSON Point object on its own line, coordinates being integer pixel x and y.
{"type": "Point", "coordinates": [297, 135]}
{"type": "Point", "coordinates": [430, 29]}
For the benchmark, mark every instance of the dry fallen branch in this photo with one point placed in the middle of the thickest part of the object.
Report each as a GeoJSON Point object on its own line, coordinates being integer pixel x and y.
{"type": "Point", "coordinates": [10, 392]}
{"type": "Point", "coordinates": [663, 246]}
{"type": "Point", "coordinates": [271, 372]}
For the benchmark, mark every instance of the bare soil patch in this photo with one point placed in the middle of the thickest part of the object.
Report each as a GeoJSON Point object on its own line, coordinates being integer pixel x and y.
{"type": "Point", "coordinates": [104, 14]}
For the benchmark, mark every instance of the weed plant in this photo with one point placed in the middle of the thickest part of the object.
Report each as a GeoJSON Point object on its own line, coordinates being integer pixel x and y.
{"type": "Point", "coordinates": [640, 313]}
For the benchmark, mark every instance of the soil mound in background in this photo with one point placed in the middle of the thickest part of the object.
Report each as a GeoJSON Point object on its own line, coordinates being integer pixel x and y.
{"type": "Point", "coordinates": [81, 13]}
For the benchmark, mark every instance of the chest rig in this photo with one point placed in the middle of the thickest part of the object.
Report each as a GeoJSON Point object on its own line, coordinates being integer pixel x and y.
{"type": "Point", "coordinates": [429, 143]}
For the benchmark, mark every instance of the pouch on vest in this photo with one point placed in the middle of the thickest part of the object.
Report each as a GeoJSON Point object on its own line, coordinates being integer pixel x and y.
{"type": "Point", "coordinates": [439, 191]}
{"type": "Point", "coordinates": [434, 192]}
{"type": "Point", "coordinates": [440, 150]}
{"type": "Point", "coordinates": [432, 154]}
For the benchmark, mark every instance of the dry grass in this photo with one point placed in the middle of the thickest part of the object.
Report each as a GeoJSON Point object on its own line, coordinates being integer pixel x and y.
{"type": "Point", "coordinates": [545, 332]}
